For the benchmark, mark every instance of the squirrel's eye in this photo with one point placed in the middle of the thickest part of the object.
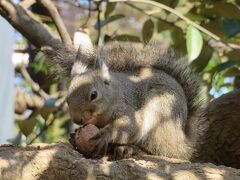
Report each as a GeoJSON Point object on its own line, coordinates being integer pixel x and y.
{"type": "Point", "coordinates": [93, 95]}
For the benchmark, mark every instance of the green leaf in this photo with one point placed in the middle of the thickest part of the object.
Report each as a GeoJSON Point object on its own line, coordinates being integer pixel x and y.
{"type": "Point", "coordinates": [195, 17]}
{"type": "Point", "coordinates": [147, 31]}
{"type": "Point", "coordinates": [115, 17]}
{"type": "Point", "coordinates": [39, 64]}
{"type": "Point", "coordinates": [126, 37]}
{"type": "Point", "coordinates": [171, 18]}
{"type": "Point", "coordinates": [232, 72]}
{"type": "Point", "coordinates": [223, 66]}
{"type": "Point", "coordinates": [39, 56]}
{"type": "Point", "coordinates": [231, 27]}
{"type": "Point", "coordinates": [218, 10]}
{"type": "Point", "coordinates": [109, 9]}
{"type": "Point", "coordinates": [202, 60]}
{"type": "Point", "coordinates": [48, 108]}
{"type": "Point", "coordinates": [162, 26]}
{"type": "Point", "coordinates": [177, 37]}
{"type": "Point", "coordinates": [27, 126]}
{"type": "Point", "coordinates": [214, 26]}
{"type": "Point", "coordinates": [194, 43]}
{"type": "Point", "coordinates": [224, 9]}
{"type": "Point", "coordinates": [234, 55]}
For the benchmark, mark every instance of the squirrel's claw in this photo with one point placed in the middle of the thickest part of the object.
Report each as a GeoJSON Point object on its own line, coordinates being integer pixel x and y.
{"type": "Point", "coordinates": [122, 152]}
{"type": "Point", "coordinates": [100, 145]}
{"type": "Point", "coordinates": [72, 139]}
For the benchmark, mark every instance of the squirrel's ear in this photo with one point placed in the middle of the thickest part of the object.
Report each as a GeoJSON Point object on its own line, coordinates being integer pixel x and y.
{"type": "Point", "coordinates": [104, 71]}
{"type": "Point", "coordinates": [85, 47]}
{"type": "Point", "coordinates": [86, 53]}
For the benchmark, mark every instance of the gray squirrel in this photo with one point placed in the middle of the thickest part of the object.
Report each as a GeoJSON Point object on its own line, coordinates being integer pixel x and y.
{"type": "Point", "coordinates": [143, 96]}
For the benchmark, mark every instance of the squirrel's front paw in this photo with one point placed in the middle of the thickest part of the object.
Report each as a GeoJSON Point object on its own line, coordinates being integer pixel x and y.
{"type": "Point", "coordinates": [99, 144]}
{"type": "Point", "coordinates": [122, 152]}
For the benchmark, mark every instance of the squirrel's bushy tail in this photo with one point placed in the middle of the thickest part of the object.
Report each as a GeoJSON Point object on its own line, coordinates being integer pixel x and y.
{"type": "Point", "coordinates": [169, 62]}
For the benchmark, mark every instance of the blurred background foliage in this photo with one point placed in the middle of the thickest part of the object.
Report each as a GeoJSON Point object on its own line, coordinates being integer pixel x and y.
{"type": "Point", "coordinates": [207, 32]}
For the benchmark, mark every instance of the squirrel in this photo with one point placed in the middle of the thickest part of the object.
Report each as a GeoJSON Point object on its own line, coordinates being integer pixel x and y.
{"type": "Point", "coordinates": [141, 96]}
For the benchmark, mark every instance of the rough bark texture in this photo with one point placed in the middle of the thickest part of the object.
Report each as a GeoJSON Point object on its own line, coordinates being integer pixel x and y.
{"type": "Point", "coordinates": [59, 161]}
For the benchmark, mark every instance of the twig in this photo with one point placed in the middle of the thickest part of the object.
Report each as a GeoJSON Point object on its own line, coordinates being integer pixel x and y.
{"type": "Point", "coordinates": [35, 87]}
{"type": "Point", "coordinates": [35, 31]}
{"type": "Point", "coordinates": [98, 21]}
{"type": "Point", "coordinates": [188, 21]}
{"type": "Point", "coordinates": [57, 20]}
{"type": "Point", "coordinates": [89, 14]}
{"type": "Point", "coordinates": [45, 127]}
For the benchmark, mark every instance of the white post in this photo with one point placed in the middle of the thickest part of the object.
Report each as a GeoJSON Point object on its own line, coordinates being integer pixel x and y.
{"type": "Point", "coordinates": [6, 82]}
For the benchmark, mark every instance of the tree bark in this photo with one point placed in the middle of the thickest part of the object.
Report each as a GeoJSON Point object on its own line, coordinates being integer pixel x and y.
{"type": "Point", "coordinates": [60, 161]}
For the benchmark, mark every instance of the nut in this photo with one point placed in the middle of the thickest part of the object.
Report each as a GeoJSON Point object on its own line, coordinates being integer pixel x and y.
{"type": "Point", "coordinates": [82, 138]}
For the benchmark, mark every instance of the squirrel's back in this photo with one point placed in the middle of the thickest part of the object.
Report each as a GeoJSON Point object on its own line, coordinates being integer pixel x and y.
{"type": "Point", "coordinates": [128, 57]}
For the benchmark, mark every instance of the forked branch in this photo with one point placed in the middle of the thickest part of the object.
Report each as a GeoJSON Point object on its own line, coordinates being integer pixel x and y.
{"type": "Point", "coordinates": [38, 34]}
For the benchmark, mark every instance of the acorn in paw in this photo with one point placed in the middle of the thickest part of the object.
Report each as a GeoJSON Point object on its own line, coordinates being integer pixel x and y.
{"type": "Point", "coordinates": [81, 138]}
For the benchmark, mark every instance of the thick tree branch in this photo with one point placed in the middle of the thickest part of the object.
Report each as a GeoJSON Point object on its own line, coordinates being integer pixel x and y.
{"type": "Point", "coordinates": [38, 34]}
{"type": "Point", "coordinates": [49, 5]}
{"type": "Point", "coordinates": [59, 161]}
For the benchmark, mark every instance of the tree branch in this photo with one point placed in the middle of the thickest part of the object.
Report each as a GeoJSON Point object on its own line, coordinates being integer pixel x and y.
{"type": "Point", "coordinates": [38, 34]}
{"type": "Point", "coordinates": [60, 161]}
{"type": "Point", "coordinates": [89, 15]}
{"type": "Point", "coordinates": [98, 21]}
{"type": "Point", "coordinates": [62, 30]}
